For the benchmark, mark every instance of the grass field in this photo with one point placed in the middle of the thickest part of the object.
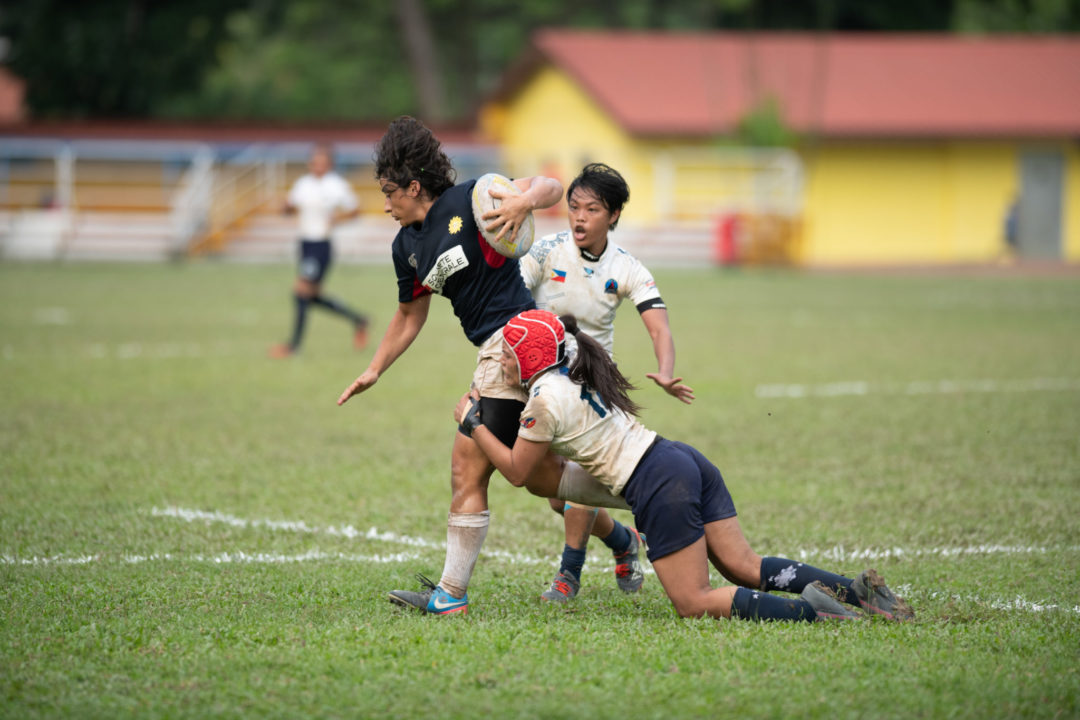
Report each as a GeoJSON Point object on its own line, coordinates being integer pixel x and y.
{"type": "Point", "coordinates": [189, 529]}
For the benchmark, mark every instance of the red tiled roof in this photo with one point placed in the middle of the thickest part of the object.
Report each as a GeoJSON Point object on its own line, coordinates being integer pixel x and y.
{"type": "Point", "coordinates": [836, 85]}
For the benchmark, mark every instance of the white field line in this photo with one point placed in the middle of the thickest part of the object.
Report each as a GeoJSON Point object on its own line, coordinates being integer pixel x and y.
{"type": "Point", "coordinates": [52, 316]}
{"type": "Point", "coordinates": [840, 554]}
{"type": "Point", "coordinates": [345, 531]}
{"type": "Point", "coordinates": [220, 558]}
{"type": "Point", "coordinates": [138, 351]}
{"type": "Point", "coordinates": [154, 351]}
{"type": "Point", "coordinates": [916, 387]}
{"type": "Point", "coordinates": [837, 553]}
{"type": "Point", "coordinates": [1016, 603]}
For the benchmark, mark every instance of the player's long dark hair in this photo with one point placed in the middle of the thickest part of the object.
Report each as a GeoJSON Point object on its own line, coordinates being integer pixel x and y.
{"type": "Point", "coordinates": [606, 183]}
{"type": "Point", "coordinates": [409, 151]}
{"type": "Point", "coordinates": [592, 366]}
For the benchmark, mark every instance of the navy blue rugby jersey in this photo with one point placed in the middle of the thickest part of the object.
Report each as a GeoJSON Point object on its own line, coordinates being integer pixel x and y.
{"type": "Point", "coordinates": [448, 255]}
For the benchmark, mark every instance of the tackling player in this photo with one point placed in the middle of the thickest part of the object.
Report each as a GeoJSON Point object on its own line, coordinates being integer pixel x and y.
{"type": "Point", "coordinates": [323, 199]}
{"type": "Point", "coordinates": [581, 271]}
{"type": "Point", "coordinates": [581, 410]}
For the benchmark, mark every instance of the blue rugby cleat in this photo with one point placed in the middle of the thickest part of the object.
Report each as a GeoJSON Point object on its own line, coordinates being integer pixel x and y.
{"type": "Point", "coordinates": [433, 600]}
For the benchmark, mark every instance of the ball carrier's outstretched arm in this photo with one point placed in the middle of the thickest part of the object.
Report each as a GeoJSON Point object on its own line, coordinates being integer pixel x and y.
{"type": "Point", "coordinates": [406, 324]}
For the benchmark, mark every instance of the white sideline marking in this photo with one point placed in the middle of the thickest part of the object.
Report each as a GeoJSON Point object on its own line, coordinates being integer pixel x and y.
{"type": "Point", "coordinates": [838, 554]}
{"type": "Point", "coordinates": [916, 387]}
{"type": "Point", "coordinates": [145, 351]}
{"type": "Point", "coordinates": [346, 531]}
{"type": "Point", "coordinates": [1017, 603]}
{"type": "Point", "coordinates": [54, 560]}
{"type": "Point", "coordinates": [52, 316]}
{"type": "Point", "coordinates": [835, 554]}
{"type": "Point", "coordinates": [238, 556]}
{"type": "Point", "coordinates": [152, 351]}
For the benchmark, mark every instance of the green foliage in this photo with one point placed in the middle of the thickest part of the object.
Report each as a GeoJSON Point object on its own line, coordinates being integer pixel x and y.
{"type": "Point", "coordinates": [111, 57]}
{"type": "Point", "coordinates": [1017, 16]}
{"type": "Point", "coordinates": [764, 126]}
{"type": "Point", "coordinates": [130, 388]}
{"type": "Point", "coordinates": [317, 60]}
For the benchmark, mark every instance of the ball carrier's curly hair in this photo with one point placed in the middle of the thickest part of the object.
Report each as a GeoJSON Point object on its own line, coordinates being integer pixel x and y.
{"type": "Point", "coordinates": [593, 366]}
{"type": "Point", "coordinates": [409, 151]}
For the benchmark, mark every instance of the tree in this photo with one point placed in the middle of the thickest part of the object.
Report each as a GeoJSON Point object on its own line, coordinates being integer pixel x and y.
{"type": "Point", "coordinates": [111, 57]}
{"type": "Point", "coordinates": [369, 60]}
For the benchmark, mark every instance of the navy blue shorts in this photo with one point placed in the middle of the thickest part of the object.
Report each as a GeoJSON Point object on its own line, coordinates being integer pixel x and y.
{"type": "Point", "coordinates": [315, 257]}
{"type": "Point", "coordinates": [674, 492]}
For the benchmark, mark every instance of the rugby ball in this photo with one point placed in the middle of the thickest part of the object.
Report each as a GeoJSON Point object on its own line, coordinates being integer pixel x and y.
{"type": "Point", "coordinates": [482, 202]}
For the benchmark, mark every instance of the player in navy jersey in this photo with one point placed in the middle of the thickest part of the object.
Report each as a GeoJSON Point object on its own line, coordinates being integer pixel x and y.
{"type": "Point", "coordinates": [580, 409]}
{"type": "Point", "coordinates": [439, 250]}
{"type": "Point", "coordinates": [583, 272]}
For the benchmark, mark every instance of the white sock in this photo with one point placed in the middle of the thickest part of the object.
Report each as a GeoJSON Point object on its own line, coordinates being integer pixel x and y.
{"type": "Point", "coordinates": [578, 486]}
{"type": "Point", "coordinates": [465, 533]}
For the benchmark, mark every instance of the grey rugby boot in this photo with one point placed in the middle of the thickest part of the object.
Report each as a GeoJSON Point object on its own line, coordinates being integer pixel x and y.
{"type": "Point", "coordinates": [877, 599]}
{"type": "Point", "coordinates": [564, 587]}
{"type": "Point", "coordinates": [825, 604]}
{"type": "Point", "coordinates": [628, 571]}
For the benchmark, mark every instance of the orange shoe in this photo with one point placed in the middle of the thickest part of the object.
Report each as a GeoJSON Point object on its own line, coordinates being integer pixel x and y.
{"type": "Point", "coordinates": [360, 336]}
{"type": "Point", "coordinates": [281, 351]}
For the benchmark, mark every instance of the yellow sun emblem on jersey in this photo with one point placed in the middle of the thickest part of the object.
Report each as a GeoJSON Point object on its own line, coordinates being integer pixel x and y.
{"type": "Point", "coordinates": [455, 224]}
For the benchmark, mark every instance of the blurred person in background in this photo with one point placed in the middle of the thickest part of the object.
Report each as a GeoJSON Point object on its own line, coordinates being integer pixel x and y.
{"type": "Point", "coordinates": [321, 199]}
{"type": "Point", "coordinates": [580, 271]}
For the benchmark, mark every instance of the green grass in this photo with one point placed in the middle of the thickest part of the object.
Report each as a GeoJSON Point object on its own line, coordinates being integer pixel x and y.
{"type": "Point", "coordinates": [127, 391]}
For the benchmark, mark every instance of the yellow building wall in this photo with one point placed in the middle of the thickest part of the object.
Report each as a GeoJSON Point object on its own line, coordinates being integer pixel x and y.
{"type": "Point", "coordinates": [927, 202]}
{"type": "Point", "coordinates": [865, 202]}
{"type": "Point", "coordinates": [1070, 223]}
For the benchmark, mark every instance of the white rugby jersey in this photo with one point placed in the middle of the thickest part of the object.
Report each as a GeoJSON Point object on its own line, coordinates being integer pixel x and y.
{"type": "Point", "coordinates": [316, 198]}
{"type": "Point", "coordinates": [607, 443]}
{"type": "Point", "coordinates": [562, 281]}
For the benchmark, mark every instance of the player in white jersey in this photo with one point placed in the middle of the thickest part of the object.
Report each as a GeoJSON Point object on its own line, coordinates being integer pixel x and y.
{"type": "Point", "coordinates": [581, 271]}
{"type": "Point", "coordinates": [321, 199]}
{"type": "Point", "coordinates": [581, 410]}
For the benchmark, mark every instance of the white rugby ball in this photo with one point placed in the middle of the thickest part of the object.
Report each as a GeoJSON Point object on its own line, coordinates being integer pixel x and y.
{"type": "Point", "coordinates": [482, 202]}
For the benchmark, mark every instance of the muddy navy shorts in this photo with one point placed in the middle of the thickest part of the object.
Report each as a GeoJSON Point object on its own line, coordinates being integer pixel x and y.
{"type": "Point", "coordinates": [315, 259]}
{"type": "Point", "coordinates": [674, 492]}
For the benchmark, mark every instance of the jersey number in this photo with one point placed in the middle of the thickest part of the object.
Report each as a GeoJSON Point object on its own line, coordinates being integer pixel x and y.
{"type": "Point", "coordinates": [591, 399]}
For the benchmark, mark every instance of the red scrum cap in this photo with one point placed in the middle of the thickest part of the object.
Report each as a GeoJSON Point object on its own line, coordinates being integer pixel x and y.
{"type": "Point", "coordinates": [538, 341]}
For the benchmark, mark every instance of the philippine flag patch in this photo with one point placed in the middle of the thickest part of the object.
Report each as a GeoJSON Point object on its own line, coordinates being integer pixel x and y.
{"type": "Point", "coordinates": [558, 276]}
{"type": "Point", "coordinates": [528, 422]}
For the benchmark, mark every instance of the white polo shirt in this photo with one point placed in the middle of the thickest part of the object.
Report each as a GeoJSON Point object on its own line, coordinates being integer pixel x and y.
{"type": "Point", "coordinates": [316, 199]}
